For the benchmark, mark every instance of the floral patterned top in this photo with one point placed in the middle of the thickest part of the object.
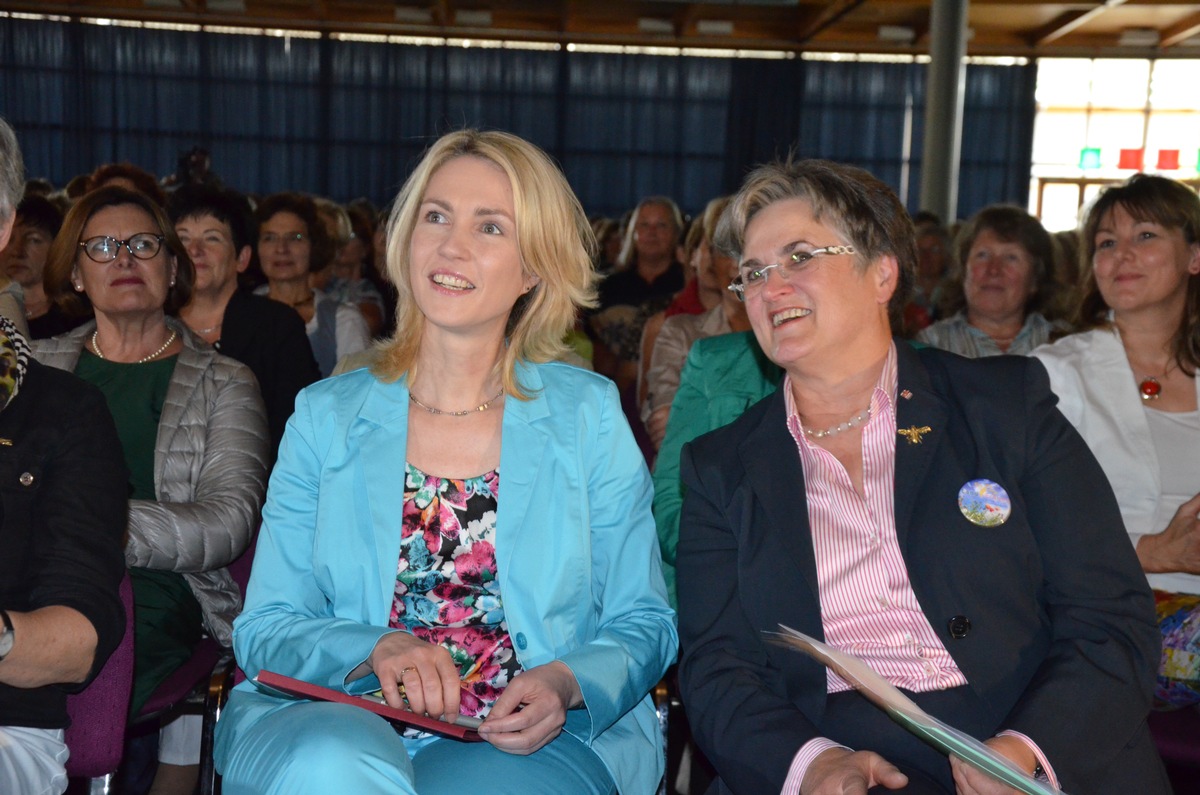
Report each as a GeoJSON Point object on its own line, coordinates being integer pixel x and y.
{"type": "Point", "coordinates": [446, 587]}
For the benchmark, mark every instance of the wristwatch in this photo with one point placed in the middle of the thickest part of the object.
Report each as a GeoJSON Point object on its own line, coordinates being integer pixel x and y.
{"type": "Point", "coordinates": [6, 638]}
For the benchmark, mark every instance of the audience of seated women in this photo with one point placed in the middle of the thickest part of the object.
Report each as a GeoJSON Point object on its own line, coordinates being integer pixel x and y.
{"type": "Point", "coordinates": [24, 260]}
{"type": "Point", "coordinates": [349, 281]}
{"type": "Point", "coordinates": [714, 272]}
{"type": "Point", "coordinates": [192, 428]}
{"type": "Point", "coordinates": [127, 175]}
{"type": "Point", "coordinates": [1128, 381]}
{"type": "Point", "coordinates": [646, 281]}
{"type": "Point", "coordinates": [1004, 297]}
{"type": "Point", "coordinates": [217, 230]}
{"type": "Point", "coordinates": [934, 258]}
{"type": "Point", "coordinates": [686, 301]}
{"type": "Point", "coordinates": [292, 243]}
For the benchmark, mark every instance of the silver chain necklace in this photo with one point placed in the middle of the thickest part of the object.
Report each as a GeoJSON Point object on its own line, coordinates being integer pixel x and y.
{"type": "Point", "coordinates": [465, 412]}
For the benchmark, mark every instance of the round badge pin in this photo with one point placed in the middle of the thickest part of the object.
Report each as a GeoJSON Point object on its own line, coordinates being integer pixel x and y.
{"type": "Point", "coordinates": [984, 502]}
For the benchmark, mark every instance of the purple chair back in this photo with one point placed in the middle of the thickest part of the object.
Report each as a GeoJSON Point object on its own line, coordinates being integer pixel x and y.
{"type": "Point", "coordinates": [239, 570]}
{"type": "Point", "coordinates": [98, 713]}
{"type": "Point", "coordinates": [182, 682]}
{"type": "Point", "coordinates": [1177, 735]}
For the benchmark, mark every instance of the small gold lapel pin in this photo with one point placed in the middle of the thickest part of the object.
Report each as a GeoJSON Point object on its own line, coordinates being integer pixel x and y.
{"type": "Point", "coordinates": [5, 442]}
{"type": "Point", "coordinates": [906, 394]}
{"type": "Point", "coordinates": [913, 433]}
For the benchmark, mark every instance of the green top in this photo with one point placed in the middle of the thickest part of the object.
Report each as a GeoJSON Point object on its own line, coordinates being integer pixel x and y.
{"type": "Point", "coordinates": [167, 617]}
{"type": "Point", "coordinates": [723, 376]}
{"type": "Point", "coordinates": [135, 395]}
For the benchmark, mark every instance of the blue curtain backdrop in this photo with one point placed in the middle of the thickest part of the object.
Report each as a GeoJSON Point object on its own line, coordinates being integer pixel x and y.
{"type": "Point", "coordinates": [347, 119]}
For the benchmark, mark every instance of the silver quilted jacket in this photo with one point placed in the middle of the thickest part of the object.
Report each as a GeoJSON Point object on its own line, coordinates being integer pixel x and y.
{"type": "Point", "coordinates": [210, 471]}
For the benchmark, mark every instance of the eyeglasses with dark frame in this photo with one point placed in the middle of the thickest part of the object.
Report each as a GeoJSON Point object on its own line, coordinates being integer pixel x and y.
{"type": "Point", "coordinates": [144, 245]}
{"type": "Point", "coordinates": [750, 280]}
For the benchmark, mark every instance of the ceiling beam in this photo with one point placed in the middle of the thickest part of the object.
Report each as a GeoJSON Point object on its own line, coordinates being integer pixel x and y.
{"type": "Point", "coordinates": [1071, 20]}
{"type": "Point", "coordinates": [686, 19]}
{"type": "Point", "coordinates": [443, 15]}
{"type": "Point", "coordinates": [828, 14]}
{"type": "Point", "coordinates": [1181, 31]}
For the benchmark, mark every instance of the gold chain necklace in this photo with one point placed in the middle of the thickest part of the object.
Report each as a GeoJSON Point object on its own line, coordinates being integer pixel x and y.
{"type": "Point", "coordinates": [481, 407]}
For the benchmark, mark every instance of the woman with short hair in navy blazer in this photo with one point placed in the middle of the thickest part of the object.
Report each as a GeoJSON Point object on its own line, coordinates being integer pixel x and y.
{"type": "Point", "coordinates": [935, 516]}
{"type": "Point", "coordinates": [465, 527]}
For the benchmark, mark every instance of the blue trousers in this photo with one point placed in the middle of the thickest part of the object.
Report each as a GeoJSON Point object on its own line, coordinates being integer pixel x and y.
{"type": "Point", "coordinates": [314, 747]}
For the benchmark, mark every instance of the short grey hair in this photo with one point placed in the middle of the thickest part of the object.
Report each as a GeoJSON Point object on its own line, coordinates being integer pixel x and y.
{"type": "Point", "coordinates": [12, 171]}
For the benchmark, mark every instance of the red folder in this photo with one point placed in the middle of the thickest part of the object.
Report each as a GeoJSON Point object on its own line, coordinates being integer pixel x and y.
{"type": "Point", "coordinates": [295, 687]}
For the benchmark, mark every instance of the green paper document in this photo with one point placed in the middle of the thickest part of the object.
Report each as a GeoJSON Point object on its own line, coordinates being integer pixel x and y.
{"type": "Point", "coordinates": [904, 711]}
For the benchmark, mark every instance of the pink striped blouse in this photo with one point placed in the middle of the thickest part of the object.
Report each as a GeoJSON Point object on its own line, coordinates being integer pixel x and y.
{"type": "Point", "coordinates": [868, 607]}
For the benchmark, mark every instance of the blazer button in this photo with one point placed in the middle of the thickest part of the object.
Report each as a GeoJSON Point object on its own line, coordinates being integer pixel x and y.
{"type": "Point", "coordinates": [26, 479]}
{"type": "Point", "coordinates": [521, 642]}
{"type": "Point", "coordinates": [959, 627]}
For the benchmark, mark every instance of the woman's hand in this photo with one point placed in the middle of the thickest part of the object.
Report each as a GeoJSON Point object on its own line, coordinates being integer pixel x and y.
{"type": "Point", "coordinates": [970, 780]}
{"type": "Point", "coordinates": [1178, 547]}
{"type": "Point", "coordinates": [839, 771]}
{"type": "Point", "coordinates": [427, 672]}
{"type": "Point", "coordinates": [532, 709]}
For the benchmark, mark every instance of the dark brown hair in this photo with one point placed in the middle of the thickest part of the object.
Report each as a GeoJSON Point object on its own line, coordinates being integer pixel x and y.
{"type": "Point", "coordinates": [1162, 201]}
{"type": "Point", "coordinates": [65, 252]}
{"type": "Point", "coordinates": [321, 245]}
{"type": "Point", "coordinates": [143, 180]}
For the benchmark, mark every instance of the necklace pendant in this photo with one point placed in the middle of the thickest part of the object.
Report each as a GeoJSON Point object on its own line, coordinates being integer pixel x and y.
{"type": "Point", "coordinates": [1150, 388]}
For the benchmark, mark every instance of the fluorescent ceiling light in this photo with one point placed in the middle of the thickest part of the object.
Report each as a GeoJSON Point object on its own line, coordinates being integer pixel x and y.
{"type": "Point", "coordinates": [409, 14]}
{"type": "Point", "coordinates": [658, 27]}
{"type": "Point", "coordinates": [473, 19]}
{"type": "Point", "coordinates": [898, 34]}
{"type": "Point", "coordinates": [1139, 37]}
{"type": "Point", "coordinates": [714, 27]}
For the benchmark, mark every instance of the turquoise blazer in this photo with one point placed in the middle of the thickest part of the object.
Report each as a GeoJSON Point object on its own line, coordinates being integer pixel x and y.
{"type": "Point", "coordinates": [579, 568]}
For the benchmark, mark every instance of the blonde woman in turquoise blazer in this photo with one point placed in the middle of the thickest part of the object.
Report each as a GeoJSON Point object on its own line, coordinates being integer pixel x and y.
{"type": "Point", "coordinates": [490, 251]}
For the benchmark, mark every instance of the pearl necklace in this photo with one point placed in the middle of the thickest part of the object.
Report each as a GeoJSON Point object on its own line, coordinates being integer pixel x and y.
{"type": "Point", "coordinates": [853, 422]}
{"type": "Point", "coordinates": [144, 359]}
{"type": "Point", "coordinates": [480, 407]}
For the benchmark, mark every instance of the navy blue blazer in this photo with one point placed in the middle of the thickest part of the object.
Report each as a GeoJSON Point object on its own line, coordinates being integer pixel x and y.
{"type": "Point", "coordinates": [1062, 644]}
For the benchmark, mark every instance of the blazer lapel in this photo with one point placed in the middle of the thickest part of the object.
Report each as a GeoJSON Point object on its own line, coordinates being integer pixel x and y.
{"type": "Point", "coordinates": [773, 469]}
{"type": "Point", "coordinates": [923, 416]}
{"type": "Point", "coordinates": [524, 439]}
{"type": "Point", "coordinates": [381, 432]}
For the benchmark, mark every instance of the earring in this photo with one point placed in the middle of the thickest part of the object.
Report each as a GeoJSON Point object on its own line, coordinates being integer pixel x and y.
{"type": "Point", "coordinates": [78, 287]}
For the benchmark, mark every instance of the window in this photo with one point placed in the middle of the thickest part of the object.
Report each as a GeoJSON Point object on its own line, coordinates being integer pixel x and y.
{"type": "Point", "coordinates": [1117, 109]}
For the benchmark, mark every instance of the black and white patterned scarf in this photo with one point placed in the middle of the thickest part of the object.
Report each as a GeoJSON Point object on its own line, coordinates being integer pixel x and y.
{"type": "Point", "coordinates": [14, 361]}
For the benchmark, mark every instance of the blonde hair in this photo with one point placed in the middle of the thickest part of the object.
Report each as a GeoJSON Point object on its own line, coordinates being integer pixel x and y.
{"type": "Point", "coordinates": [554, 238]}
{"type": "Point", "coordinates": [628, 256]}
